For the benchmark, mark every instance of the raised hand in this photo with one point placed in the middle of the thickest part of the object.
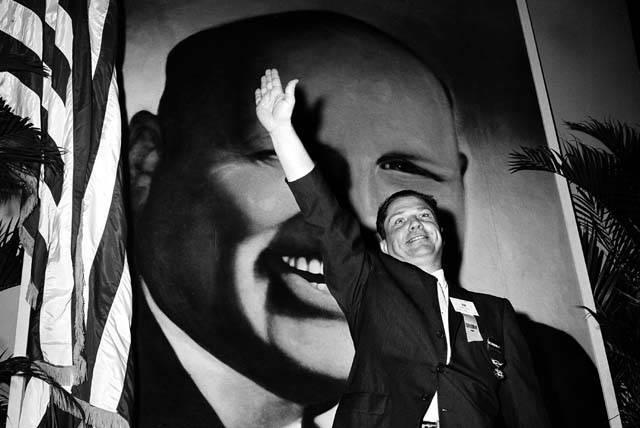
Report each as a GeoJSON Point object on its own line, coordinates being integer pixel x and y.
{"type": "Point", "coordinates": [273, 106]}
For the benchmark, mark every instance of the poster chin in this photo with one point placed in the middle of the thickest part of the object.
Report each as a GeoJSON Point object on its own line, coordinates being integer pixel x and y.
{"type": "Point", "coordinates": [237, 328]}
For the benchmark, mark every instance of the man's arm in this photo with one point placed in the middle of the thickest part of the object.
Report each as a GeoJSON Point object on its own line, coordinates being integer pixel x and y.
{"type": "Point", "coordinates": [520, 395]}
{"type": "Point", "coordinates": [346, 264]}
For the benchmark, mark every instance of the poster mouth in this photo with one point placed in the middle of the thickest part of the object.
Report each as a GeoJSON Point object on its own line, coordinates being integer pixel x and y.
{"type": "Point", "coordinates": [297, 286]}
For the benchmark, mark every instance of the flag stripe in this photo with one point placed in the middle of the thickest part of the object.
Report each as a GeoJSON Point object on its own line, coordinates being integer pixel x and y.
{"type": "Point", "coordinates": [111, 254]}
{"type": "Point", "coordinates": [101, 82]}
{"type": "Point", "coordinates": [22, 23]}
{"type": "Point", "coordinates": [109, 370]}
{"type": "Point", "coordinates": [125, 404]}
{"type": "Point", "coordinates": [57, 63]}
{"type": "Point", "coordinates": [64, 32]}
{"type": "Point", "coordinates": [99, 27]}
{"type": "Point", "coordinates": [82, 113]}
{"type": "Point", "coordinates": [36, 7]}
{"type": "Point", "coordinates": [12, 89]}
{"type": "Point", "coordinates": [9, 44]}
{"type": "Point", "coordinates": [101, 237]}
{"type": "Point", "coordinates": [55, 319]}
{"type": "Point", "coordinates": [56, 115]}
{"type": "Point", "coordinates": [33, 410]}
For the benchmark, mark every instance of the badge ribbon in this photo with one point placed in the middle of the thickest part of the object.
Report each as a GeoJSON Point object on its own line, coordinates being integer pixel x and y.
{"type": "Point", "coordinates": [471, 328]}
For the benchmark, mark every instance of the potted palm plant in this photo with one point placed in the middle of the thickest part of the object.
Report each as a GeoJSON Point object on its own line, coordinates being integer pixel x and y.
{"type": "Point", "coordinates": [603, 174]}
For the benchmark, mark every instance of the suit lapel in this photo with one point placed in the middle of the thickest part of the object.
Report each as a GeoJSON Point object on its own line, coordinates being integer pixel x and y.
{"type": "Point", "coordinates": [421, 288]}
{"type": "Point", "coordinates": [455, 318]}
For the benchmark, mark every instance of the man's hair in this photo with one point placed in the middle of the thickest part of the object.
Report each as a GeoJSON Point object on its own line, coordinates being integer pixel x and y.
{"type": "Point", "coordinates": [384, 207]}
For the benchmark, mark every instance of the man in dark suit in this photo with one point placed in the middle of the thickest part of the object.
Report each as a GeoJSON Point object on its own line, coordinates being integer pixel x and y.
{"type": "Point", "coordinates": [412, 366]}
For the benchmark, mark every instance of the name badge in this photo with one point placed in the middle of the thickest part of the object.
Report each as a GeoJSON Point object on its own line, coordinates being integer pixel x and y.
{"type": "Point", "coordinates": [465, 307]}
{"type": "Point", "coordinates": [471, 328]}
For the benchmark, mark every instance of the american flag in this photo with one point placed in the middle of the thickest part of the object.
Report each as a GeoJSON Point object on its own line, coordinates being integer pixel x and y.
{"type": "Point", "coordinates": [79, 287]}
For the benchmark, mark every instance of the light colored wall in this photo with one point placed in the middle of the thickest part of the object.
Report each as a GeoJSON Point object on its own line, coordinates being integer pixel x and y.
{"type": "Point", "coordinates": [588, 58]}
{"type": "Point", "coordinates": [8, 310]}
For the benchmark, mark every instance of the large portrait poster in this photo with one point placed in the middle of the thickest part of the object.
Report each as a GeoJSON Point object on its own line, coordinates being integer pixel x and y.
{"type": "Point", "coordinates": [235, 326]}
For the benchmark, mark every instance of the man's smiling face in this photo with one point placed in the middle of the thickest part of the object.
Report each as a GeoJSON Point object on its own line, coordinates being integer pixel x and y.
{"type": "Point", "coordinates": [413, 233]}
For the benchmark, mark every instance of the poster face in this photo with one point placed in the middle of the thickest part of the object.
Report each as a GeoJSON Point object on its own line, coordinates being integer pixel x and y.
{"type": "Point", "coordinates": [236, 327]}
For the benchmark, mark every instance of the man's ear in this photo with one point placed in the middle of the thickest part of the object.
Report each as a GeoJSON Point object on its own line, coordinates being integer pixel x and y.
{"type": "Point", "coordinates": [383, 246]}
{"type": "Point", "coordinates": [145, 143]}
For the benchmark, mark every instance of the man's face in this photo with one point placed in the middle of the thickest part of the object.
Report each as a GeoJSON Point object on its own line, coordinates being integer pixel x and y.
{"type": "Point", "coordinates": [412, 233]}
{"type": "Point", "coordinates": [244, 267]}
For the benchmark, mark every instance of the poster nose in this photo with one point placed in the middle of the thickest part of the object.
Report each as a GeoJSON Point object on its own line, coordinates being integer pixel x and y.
{"type": "Point", "coordinates": [364, 198]}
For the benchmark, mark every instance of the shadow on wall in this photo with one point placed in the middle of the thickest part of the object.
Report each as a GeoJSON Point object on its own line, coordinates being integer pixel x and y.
{"type": "Point", "coordinates": [568, 378]}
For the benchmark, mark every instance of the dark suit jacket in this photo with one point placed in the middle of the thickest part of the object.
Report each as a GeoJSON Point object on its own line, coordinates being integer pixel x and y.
{"type": "Point", "coordinates": [394, 319]}
{"type": "Point", "coordinates": [166, 397]}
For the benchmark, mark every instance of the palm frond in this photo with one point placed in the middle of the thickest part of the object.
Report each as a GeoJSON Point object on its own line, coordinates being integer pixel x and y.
{"type": "Point", "coordinates": [620, 336]}
{"type": "Point", "coordinates": [23, 366]}
{"type": "Point", "coordinates": [614, 235]}
{"type": "Point", "coordinates": [22, 150]}
{"type": "Point", "coordinates": [20, 60]}
{"type": "Point", "coordinates": [535, 159]}
{"type": "Point", "coordinates": [603, 176]}
{"type": "Point", "coordinates": [595, 171]}
{"type": "Point", "coordinates": [620, 138]}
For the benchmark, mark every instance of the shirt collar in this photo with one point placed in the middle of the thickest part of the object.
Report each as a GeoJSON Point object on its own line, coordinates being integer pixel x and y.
{"type": "Point", "coordinates": [439, 274]}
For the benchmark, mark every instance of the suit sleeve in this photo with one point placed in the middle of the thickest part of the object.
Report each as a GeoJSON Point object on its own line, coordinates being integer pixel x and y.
{"type": "Point", "coordinates": [520, 396]}
{"type": "Point", "coordinates": [346, 261]}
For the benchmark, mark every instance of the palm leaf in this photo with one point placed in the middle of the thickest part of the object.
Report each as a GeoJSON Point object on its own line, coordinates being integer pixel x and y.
{"type": "Point", "coordinates": [620, 138]}
{"type": "Point", "coordinates": [605, 274]}
{"type": "Point", "coordinates": [23, 366]}
{"type": "Point", "coordinates": [595, 171]}
{"type": "Point", "coordinates": [613, 235]}
{"type": "Point", "coordinates": [604, 177]}
{"type": "Point", "coordinates": [620, 336]}
{"type": "Point", "coordinates": [17, 59]}
{"type": "Point", "coordinates": [22, 151]}
{"type": "Point", "coordinates": [540, 158]}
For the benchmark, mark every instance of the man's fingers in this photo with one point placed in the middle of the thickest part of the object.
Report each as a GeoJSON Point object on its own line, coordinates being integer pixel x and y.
{"type": "Point", "coordinates": [291, 87]}
{"type": "Point", "coordinates": [275, 79]}
{"type": "Point", "coordinates": [263, 85]}
{"type": "Point", "coordinates": [267, 74]}
{"type": "Point", "coordinates": [271, 86]}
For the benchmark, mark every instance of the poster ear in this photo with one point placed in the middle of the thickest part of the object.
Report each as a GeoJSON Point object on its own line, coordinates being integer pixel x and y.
{"type": "Point", "coordinates": [464, 163]}
{"type": "Point", "coordinates": [383, 246]}
{"type": "Point", "coordinates": [145, 143]}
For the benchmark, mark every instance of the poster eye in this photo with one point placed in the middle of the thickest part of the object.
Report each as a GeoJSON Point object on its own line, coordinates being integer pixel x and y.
{"type": "Point", "coordinates": [397, 165]}
{"type": "Point", "coordinates": [406, 166]}
{"type": "Point", "coordinates": [263, 156]}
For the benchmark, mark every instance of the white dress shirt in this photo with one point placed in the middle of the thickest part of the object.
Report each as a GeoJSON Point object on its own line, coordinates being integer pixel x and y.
{"type": "Point", "coordinates": [432, 414]}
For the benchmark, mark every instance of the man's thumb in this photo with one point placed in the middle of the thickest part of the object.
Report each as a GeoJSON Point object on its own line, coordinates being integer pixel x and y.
{"type": "Point", "coordinates": [291, 87]}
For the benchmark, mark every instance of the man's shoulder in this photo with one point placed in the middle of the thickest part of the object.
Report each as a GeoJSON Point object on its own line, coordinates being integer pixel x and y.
{"type": "Point", "coordinates": [483, 297]}
{"type": "Point", "coordinates": [488, 302]}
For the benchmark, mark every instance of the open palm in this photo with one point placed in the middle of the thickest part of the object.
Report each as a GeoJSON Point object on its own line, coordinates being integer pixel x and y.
{"type": "Point", "coordinates": [273, 105]}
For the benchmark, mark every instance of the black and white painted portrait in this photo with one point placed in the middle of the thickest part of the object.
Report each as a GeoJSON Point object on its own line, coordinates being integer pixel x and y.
{"type": "Point", "coordinates": [235, 325]}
